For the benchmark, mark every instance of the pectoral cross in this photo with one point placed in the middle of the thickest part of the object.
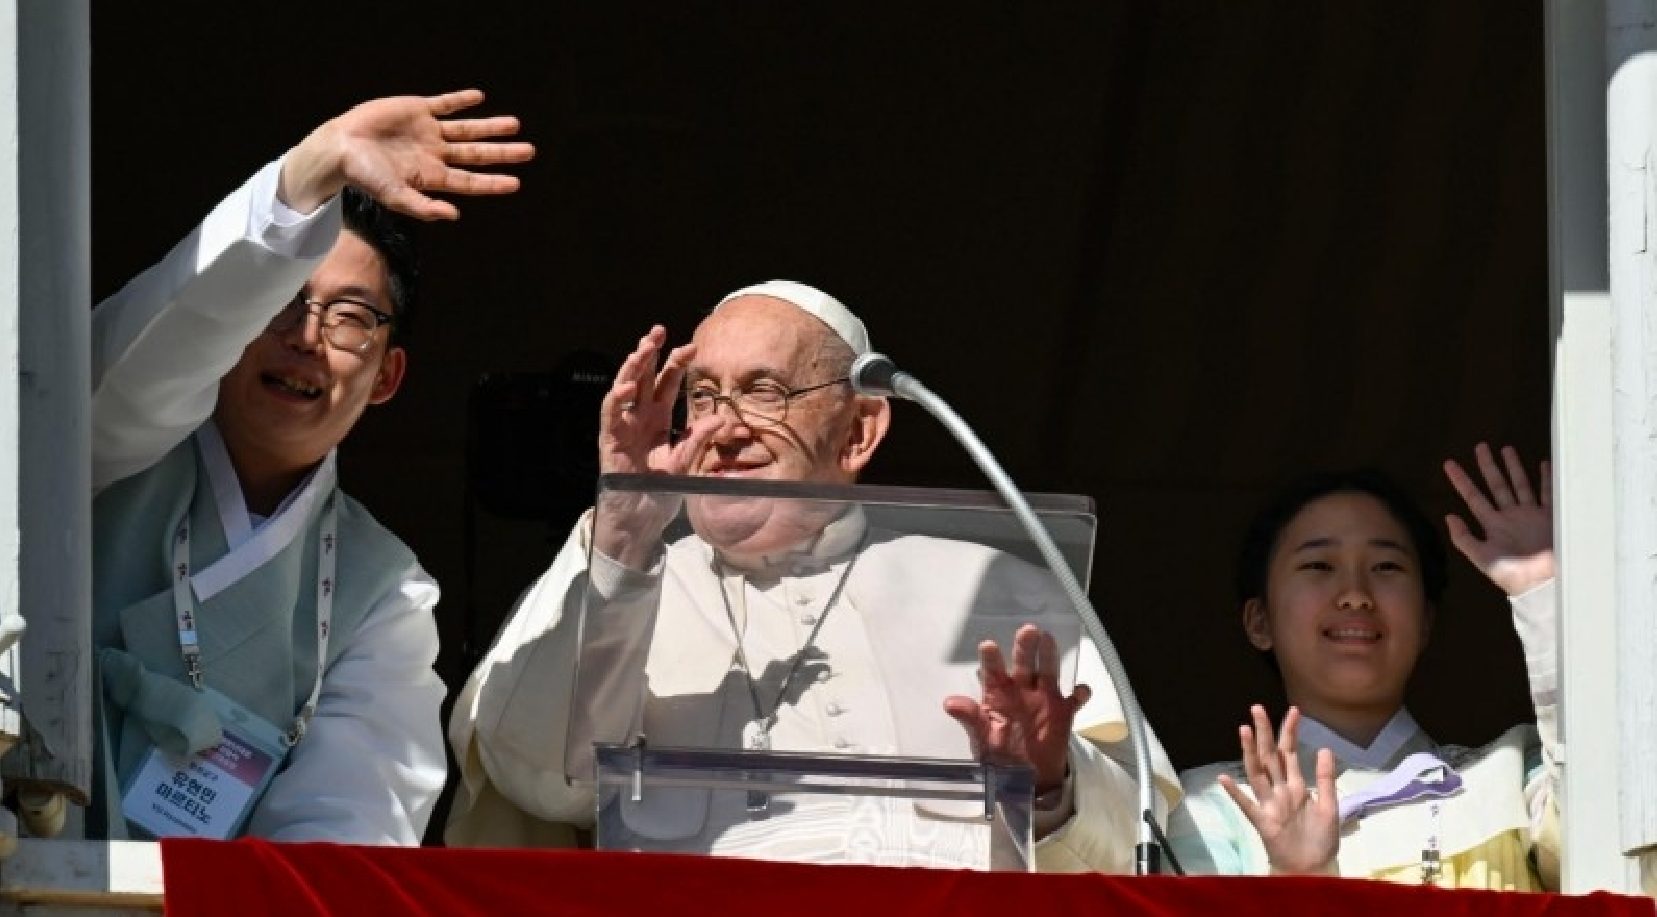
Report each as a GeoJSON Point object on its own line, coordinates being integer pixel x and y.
{"type": "Point", "coordinates": [756, 736]}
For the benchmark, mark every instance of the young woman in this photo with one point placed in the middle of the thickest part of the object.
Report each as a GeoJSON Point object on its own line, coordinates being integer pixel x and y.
{"type": "Point", "coordinates": [1339, 581]}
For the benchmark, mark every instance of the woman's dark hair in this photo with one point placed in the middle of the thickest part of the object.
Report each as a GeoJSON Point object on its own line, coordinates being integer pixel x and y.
{"type": "Point", "coordinates": [386, 233]}
{"type": "Point", "coordinates": [1268, 525]}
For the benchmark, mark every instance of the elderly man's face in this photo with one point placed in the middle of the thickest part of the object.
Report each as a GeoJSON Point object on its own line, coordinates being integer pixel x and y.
{"type": "Point", "coordinates": [758, 339]}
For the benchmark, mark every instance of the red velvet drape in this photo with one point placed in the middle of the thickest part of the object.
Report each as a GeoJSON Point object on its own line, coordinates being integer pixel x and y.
{"type": "Point", "coordinates": [250, 878]}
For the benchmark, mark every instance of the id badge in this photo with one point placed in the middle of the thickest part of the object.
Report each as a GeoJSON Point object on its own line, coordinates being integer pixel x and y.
{"type": "Point", "coordinates": [212, 794]}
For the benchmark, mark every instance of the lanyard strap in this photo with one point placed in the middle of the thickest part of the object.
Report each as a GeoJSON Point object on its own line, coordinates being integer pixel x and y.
{"type": "Point", "coordinates": [189, 643]}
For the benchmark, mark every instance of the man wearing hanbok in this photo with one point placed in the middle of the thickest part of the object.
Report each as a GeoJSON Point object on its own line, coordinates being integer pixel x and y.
{"type": "Point", "coordinates": [264, 647]}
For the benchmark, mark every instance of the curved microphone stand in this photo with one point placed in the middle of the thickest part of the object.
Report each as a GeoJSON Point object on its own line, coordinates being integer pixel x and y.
{"type": "Point", "coordinates": [876, 374]}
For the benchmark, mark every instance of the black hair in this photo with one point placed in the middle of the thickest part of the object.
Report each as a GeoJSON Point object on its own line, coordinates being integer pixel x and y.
{"type": "Point", "coordinates": [1266, 529]}
{"type": "Point", "coordinates": [388, 234]}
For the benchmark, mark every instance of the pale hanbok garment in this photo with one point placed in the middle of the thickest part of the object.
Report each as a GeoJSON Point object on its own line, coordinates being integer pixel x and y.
{"type": "Point", "coordinates": [1500, 831]}
{"type": "Point", "coordinates": [371, 763]}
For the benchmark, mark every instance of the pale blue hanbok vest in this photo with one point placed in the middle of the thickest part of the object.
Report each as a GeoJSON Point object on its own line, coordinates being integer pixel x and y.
{"type": "Point", "coordinates": [257, 636]}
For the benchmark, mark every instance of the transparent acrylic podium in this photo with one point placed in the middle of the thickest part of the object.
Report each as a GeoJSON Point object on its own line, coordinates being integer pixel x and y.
{"type": "Point", "coordinates": [767, 679]}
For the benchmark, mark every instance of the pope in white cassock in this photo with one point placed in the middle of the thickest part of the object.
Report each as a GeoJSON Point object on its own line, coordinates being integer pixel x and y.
{"type": "Point", "coordinates": [782, 625]}
{"type": "Point", "coordinates": [264, 646]}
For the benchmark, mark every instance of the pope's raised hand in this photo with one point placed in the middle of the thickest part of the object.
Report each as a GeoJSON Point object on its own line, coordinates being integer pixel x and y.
{"type": "Point", "coordinates": [1021, 716]}
{"type": "Point", "coordinates": [398, 150]}
{"type": "Point", "coordinates": [635, 436]}
{"type": "Point", "coordinates": [1301, 830]}
{"type": "Point", "coordinates": [1516, 552]}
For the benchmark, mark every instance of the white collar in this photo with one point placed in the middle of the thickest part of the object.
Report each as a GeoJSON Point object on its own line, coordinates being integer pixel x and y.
{"type": "Point", "coordinates": [838, 539]}
{"type": "Point", "coordinates": [1380, 754]}
{"type": "Point", "coordinates": [246, 548]}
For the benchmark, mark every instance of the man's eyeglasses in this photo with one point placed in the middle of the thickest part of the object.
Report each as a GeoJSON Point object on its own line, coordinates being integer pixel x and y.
{"type": "Point", "coordinates": [347, 324]}
{"type": "Point", "coordinates": [762, 401]}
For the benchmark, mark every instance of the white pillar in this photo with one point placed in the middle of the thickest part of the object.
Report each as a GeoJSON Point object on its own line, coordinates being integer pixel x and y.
{"type": "Point", "coordinates": [1585, 520]}
{"type": "Point", "coordinates": [11, 257]}
{"type": "Point", "coordinates": [1631, 155]}
{"type": "Point", "coordinates": [45, 247]}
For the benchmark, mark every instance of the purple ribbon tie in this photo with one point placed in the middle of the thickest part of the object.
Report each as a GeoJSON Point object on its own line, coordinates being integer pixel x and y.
{"type": "Point", "coordinates": [1407, 782]}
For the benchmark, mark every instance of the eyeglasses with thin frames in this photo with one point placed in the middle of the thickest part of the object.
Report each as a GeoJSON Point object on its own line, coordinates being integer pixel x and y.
{"type": "Point", "coordinates": [347, 324]}
{"type": "Point", "coordinates": [763, 401]}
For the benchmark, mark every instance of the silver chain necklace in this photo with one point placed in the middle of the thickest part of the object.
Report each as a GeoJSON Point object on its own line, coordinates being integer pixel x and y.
{"type": "Point", "coordinates": [756, 733]}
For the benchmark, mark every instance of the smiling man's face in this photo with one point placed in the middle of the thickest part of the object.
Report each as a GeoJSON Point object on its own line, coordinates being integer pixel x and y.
{"type": "Point", "coordinates": [758, 339]}
{"type": "Point", "coordinates": [828, 434]}
{"type": "Point", "coordinates": [293, 397]}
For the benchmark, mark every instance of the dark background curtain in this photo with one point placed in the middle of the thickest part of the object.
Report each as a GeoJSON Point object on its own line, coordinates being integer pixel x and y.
{"type": "Point", "coordinates": [1165, 255]}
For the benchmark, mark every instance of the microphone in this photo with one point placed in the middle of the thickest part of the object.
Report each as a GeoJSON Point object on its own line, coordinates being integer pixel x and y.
{"type": "Point", "coordinates": [876, 374]}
